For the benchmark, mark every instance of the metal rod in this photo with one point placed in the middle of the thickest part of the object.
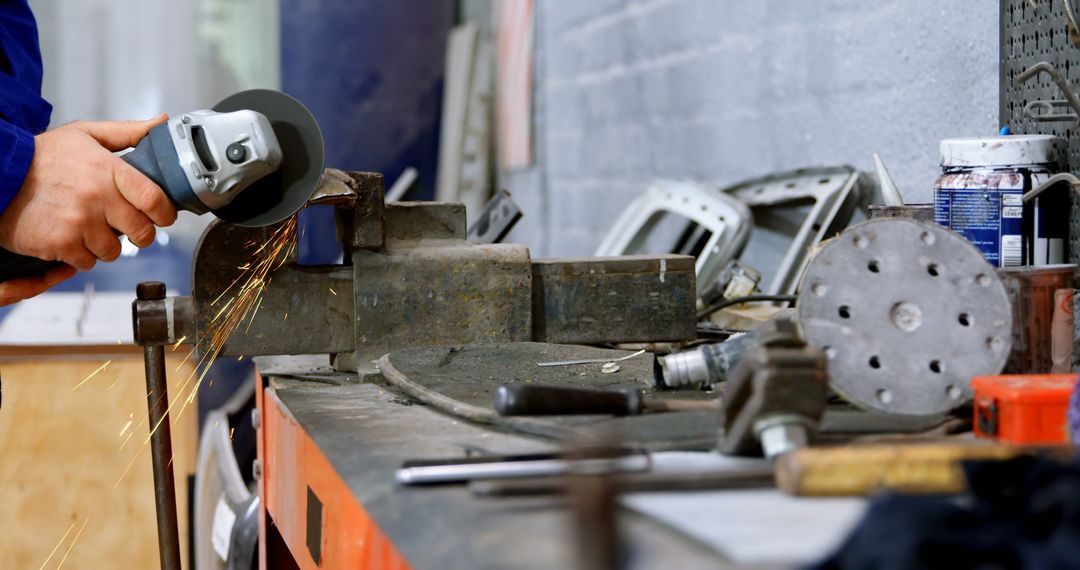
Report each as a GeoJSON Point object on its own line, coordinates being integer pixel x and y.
{"type": "Point", "coordinates": [149, 325]}
{"type": "Point", "coordinates": [157, 400]}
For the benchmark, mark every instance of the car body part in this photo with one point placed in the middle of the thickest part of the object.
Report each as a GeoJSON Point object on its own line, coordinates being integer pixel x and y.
{"type": "Point", "coordinates": [907, 312]}
{"type": "Point", "coordinates": [792, 212]}
{"type": "Point", "coordinates": [681, 217]}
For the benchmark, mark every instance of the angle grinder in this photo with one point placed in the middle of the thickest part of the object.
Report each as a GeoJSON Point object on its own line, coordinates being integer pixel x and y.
{"type": "Point", "coordinates": [253, 160]}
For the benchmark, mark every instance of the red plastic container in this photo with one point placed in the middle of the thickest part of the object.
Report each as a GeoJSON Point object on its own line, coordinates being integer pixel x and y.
{"type": "Point", "coordinates": [1025, 409]}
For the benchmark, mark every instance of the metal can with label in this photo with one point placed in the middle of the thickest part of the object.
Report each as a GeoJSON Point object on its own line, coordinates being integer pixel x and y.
{"type": "Point", "coordinates": [980, 195]}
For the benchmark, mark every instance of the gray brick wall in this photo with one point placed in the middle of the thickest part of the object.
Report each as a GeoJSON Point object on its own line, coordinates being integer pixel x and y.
{"type": "Point", "coordinates": [720, 90]}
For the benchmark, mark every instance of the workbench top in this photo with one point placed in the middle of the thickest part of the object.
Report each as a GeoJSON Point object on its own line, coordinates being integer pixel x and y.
{"type": "Point", "coordinates": [366, 431]}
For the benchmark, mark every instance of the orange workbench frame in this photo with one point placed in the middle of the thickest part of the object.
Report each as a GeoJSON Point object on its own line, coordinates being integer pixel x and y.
{"type": "Point", "coordinates": [291, 465]}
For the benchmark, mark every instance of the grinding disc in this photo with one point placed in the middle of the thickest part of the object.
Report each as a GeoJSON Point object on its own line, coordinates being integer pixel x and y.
{"type": "Point", "coordinates": [907, 313]}
{"type": "Point", "coordinates": [282, 193]}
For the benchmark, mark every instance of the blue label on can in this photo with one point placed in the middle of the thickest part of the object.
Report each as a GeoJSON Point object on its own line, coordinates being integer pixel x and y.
{"type": "Point", "coordinates": [990, 218]}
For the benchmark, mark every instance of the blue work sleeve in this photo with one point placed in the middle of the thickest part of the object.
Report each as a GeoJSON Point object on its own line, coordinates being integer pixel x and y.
{"type": "Point", "coordinates": [16, 152]}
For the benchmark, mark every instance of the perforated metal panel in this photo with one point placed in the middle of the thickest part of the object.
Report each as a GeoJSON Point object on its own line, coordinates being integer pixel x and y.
{"type": "Point", "coordinates": [1033, 31]}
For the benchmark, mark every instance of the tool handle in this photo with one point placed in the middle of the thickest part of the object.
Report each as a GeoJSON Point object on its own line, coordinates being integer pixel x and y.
{"type": "Point", "coordinates": [14, 265]}
{"type": "Point", "coordinates": [911, 468]}
{"type": "Point", "coordinates": [532, 400]}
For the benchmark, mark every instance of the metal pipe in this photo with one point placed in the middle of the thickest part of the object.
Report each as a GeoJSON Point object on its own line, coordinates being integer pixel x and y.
{"type": "Point", "coordinates": [157, 401]}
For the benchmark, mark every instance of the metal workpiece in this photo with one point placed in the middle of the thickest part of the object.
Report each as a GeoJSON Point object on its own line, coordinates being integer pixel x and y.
{"type": "Point", "coordinates": [773, 400]}
{"type": "Point", "coordinates": [336, 188]}
{"type": "Point", "coordinates": [907, 313]}
{"type": "Point", "coordinates": [794, 211]}
{"type": "Point", "coordinates": [157, 400]}
{"type": "Point", "coordinates": [635, 298]}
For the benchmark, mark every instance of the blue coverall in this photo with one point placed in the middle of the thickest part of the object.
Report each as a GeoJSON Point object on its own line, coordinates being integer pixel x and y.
{"type": "Point", "coordinates": [23, 113]}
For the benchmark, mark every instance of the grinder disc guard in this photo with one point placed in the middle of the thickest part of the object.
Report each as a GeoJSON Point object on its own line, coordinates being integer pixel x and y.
{"type": "Point", "coordinates": [282, 193]}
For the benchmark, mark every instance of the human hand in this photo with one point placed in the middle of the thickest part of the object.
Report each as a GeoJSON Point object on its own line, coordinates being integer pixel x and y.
{"type": "Point", "coordinates": [15, 290]}
{"type": "Point", "coordinates": [77, 192]}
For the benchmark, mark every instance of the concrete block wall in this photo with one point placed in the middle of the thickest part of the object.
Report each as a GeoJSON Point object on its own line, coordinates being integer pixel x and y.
{"type": "Point", "coordinates": [627, 91]}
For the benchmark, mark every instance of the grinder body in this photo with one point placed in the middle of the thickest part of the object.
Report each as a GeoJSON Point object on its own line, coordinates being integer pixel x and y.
{"type": "Point", "coordinates": [204, 160]}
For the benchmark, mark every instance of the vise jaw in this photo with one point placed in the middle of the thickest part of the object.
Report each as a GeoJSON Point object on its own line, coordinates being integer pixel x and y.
{"type": "Point", "coordinates": [410, 278]}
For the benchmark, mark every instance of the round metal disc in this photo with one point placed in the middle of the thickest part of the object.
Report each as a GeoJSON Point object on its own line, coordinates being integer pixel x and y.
{"type": "Point", "coordinates": [907, 313]}
{"type": "Point", "coordinates": [279, 194]}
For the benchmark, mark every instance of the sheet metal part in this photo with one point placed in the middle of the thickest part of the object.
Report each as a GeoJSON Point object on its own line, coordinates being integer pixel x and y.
{"type": "Point", "coordinates": [157, 400]}
{"type": "Point", "coordinates": [682, 218]}
{"type": "Point", "coordinates": [833, 194]}
{"type": "Point", "coordinates": [907, 312]}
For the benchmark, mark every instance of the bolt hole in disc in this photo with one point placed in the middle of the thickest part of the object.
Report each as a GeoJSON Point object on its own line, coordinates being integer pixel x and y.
{"type": "Point", "coordinates": [914, 342]}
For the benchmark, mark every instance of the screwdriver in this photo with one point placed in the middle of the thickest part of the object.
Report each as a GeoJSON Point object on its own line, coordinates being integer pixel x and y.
{"type": "Point", "coordinates": [535, 400]}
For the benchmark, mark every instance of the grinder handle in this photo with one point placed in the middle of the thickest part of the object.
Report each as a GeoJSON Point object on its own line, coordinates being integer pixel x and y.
{"type": "Point", "coordinates": [14, 265]}
{"type": "Point", "coordinates": [533, 400]}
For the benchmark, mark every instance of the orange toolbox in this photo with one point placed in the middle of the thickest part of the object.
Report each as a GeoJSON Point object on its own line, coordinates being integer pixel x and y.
{"type": "Point", "coordinates": [1023, 408]}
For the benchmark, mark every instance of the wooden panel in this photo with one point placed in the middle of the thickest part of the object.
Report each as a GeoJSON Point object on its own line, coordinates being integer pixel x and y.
{"type": "Point", "coordinates": [61, 462]}
{"type": "Point", "coordinates": [294, 471]}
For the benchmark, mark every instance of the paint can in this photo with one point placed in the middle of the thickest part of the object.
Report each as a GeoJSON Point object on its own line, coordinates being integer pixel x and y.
{"type": "Point", "coordinates": [980, 195]}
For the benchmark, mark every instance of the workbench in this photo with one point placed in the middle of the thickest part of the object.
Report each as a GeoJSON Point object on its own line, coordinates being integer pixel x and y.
{"type": "Point", "coordinates": [329, 447]}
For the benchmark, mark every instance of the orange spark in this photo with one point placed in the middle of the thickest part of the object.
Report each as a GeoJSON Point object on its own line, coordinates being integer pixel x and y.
{"type": "Point", "coordinates": [92, 374]}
